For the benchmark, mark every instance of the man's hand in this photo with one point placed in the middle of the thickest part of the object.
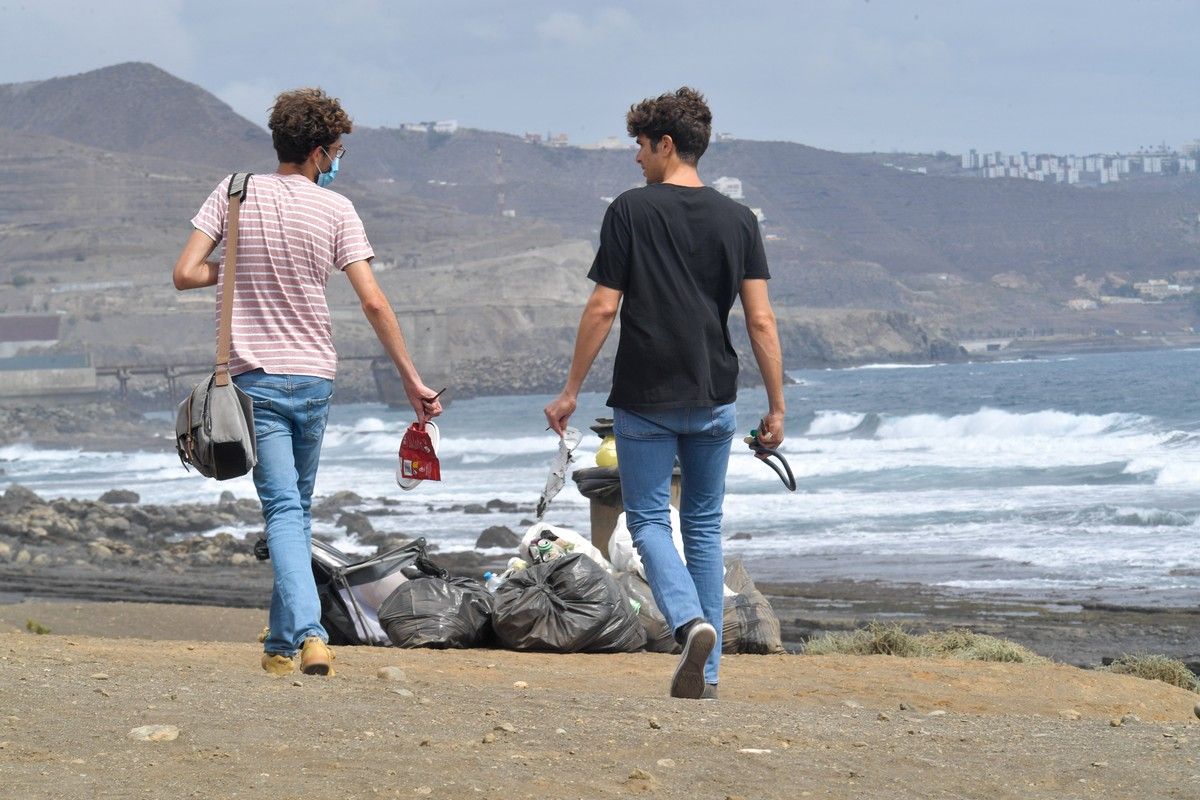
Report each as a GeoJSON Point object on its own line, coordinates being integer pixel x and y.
{"type": "Point", "coordinates": [559, 411]}
{"type": "Point", "coordinates": [424, 401]}
{"type": "Point", "coordinates": [770, 430]}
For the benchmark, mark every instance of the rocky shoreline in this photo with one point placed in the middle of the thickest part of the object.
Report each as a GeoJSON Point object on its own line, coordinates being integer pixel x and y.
{"type": "Point", "coordinates": [118, 549]}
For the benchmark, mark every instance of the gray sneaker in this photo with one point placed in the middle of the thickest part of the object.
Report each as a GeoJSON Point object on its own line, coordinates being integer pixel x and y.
{"type": "Point", "coordinates": [689, 675]}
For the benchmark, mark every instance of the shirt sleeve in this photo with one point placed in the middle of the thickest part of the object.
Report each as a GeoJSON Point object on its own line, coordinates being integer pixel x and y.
{"type": "Point", "coordinates": [210, 219]}
{"type": "Point", "coordinates": [611, 266]}
{"type": "Point", "coordinates": [351, 244]}
{"type": "Point", "coordinates": [756, 256]}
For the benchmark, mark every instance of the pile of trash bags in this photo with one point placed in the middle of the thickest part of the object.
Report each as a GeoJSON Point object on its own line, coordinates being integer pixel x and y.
{"type": "Point", "coordinates": [560, 594]}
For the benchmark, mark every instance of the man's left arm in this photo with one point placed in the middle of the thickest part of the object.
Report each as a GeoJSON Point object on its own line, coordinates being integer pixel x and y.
{"type": "Point", "coordinates": [594, 327]}
{"type": "Point", "coordinates": [193, 269]}
{"type": "Point", "coordinates": [379, 313]}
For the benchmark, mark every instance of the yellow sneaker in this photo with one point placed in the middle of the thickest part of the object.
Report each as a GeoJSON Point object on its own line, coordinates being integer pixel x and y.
{"type": "Point", "coordinates": [277, 664]}
{"type": "Point", "coordinates": [316, 658]}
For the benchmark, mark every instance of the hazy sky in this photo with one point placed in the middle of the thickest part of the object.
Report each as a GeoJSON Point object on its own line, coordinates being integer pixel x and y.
{"type": "Point", "coordinates": [1045, 75]}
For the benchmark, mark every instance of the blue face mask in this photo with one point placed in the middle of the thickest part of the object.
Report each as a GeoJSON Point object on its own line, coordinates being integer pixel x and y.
{"type": "Point", "coordinates": [326, 178]}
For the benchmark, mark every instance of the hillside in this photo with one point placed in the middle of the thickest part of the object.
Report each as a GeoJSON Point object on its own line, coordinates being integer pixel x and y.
{"type": "Point", "coordinates": [100, 173]}
{"type": "Point", "coordinates": [136, 108]}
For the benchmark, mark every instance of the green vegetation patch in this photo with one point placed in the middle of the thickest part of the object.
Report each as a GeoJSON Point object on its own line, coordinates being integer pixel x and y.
{"type": "Point", "coordinates": [893, 639]}
{"type": "Point", "coordinates": [36, 627]}
{"type": "Point", "coordinates": [1156, 668]}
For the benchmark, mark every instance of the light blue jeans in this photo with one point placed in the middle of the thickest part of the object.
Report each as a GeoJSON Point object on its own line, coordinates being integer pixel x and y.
{"type": "Point", "coordinates": [290, 412]}
{"type": "Point", "coordinates": [647, 444]}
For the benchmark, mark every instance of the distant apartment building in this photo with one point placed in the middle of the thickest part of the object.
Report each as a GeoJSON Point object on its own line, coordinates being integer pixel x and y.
{"type": "Point", "coordinates": [730, 187]}
{"type": "Point", "coordinates": [1159, 289]}
{"type": "Point", "coordinates": [446, 126]}
{"type": "Point", "coordinates": [1095, 169]}
{"type": "Point", "coordinates": [610, 143]}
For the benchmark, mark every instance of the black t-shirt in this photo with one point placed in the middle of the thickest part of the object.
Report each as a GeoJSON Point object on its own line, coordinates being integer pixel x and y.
{"type": "Point", "coordinates": [679, 254]}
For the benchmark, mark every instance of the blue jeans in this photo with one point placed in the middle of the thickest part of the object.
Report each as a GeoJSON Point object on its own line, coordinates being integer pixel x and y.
{"type": "Point", "coordinates": [290, 412]}
{"type": "Point", "coordinates": [647, 444]}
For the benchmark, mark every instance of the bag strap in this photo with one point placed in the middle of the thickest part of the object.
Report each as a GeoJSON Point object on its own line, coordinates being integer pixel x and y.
{"type": "Point", "coordinates": [238, 184]}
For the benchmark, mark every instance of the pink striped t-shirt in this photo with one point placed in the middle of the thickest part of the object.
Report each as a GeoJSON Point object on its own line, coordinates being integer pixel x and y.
{"type": "Point", "coordinates": [291, 237]}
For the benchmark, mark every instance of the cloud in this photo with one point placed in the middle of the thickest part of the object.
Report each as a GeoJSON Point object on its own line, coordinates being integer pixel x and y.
{"type": "Point", "coordinates": [568, 28]}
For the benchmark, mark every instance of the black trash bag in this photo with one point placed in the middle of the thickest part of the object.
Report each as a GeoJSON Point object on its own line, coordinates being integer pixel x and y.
{"type": "Point", "coordinates": [750, 625]}
{"type": "Point", "coordinates": [659, 636]}
{"type": "Point", "coordinates": [568, 605]}
{"type": "Point", "coordinates": [352, 588]}
{"type": "Point", "coordinates": [602, 484]}
{"type": "Point", "coordinates": [437, 611]}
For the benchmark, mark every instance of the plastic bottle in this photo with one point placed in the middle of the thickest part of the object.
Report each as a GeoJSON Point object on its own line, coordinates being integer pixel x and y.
{"type": "Point", "coordinates": [492, 581]}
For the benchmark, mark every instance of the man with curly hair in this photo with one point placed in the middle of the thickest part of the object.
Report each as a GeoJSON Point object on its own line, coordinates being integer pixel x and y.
{"type": "Point", "coordinates": [293, 234]}
{"type": "Point", "coordinates": [673, 257]}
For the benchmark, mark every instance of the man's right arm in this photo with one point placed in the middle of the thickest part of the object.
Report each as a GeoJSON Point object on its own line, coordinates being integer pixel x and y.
{"type": "Point", "coordinates": [764, 340]}
{"type": "Point", "coordinates": [193, 270]}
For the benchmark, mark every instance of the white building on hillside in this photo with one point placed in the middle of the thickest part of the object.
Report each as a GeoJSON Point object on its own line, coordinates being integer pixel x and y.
{"type": "Point", "coordinates": [730, 187]}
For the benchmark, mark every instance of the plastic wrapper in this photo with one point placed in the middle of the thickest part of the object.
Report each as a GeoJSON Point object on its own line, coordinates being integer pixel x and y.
{"type": "Point", "coordinates": [750, 624]}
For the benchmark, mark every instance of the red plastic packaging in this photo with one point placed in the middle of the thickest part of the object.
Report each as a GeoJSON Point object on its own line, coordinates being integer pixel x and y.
{"type": "Point", "coordinates": [417, 459]}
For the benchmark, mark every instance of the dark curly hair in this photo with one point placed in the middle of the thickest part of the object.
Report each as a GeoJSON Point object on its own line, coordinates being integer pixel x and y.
{"type": "Point", "coordinates": [683, 115]}
{"type": "Point", "coordinates": [304, 119]}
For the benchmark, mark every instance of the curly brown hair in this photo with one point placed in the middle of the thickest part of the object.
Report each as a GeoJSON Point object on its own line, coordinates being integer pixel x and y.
{"type": "Point", "coordinates": [683, 115]}
{"type": "Point", "coordinates": [304, 119]}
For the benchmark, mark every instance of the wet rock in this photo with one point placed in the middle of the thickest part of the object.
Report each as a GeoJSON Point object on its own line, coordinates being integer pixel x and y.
{"type": "Point", "coordinates": [17, 498]}
{"type": "Point", "coordinates": [226, 498]}
{"type": "Point", "coordinates": [356, 523]}
{"type": "Point", "coordinates": [475, 508]}
{"type": "Point", "coordinates": [498, 536]}
{"type": "Point", "coordinates": [99, 551]}
{"type": "Point", "coordinates": [118, 497]}
{"type": "Point", "coordinates": [154, 733]}
{"type": "Point", "coordinates": [41, 560]}
{"type": "Point", "coordinates": [503, 506]}
{"type": "Point", "coordinates": [740, 536]}
{"type": "Point", "coordinates": [329, 507]}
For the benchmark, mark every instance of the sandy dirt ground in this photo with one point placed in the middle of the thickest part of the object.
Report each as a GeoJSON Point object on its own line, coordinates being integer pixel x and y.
{"type": "Point", "coordinates": [499, 724]}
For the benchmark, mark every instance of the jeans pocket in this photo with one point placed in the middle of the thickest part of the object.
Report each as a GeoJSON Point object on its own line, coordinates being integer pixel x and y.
{"type": "Point", "coordinates": [724, 421]}
{"type": "Point", "coordinates": [632, 425]}
{"type": "Point", "coordinates": [315, 417]}
{"type": "Point", "coordinates": [267, 417]}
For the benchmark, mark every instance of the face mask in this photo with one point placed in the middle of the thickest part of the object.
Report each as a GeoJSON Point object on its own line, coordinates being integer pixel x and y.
{"type": "Point", "coordinates": [326, 178]}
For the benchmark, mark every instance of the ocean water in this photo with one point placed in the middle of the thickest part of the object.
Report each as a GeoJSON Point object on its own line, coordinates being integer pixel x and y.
{"type": "Point", "coordinates": [1073, 478]}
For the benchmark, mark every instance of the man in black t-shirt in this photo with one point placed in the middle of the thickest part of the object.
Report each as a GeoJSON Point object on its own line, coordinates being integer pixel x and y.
{"type": "Point", "coordinates": [678, 254]}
